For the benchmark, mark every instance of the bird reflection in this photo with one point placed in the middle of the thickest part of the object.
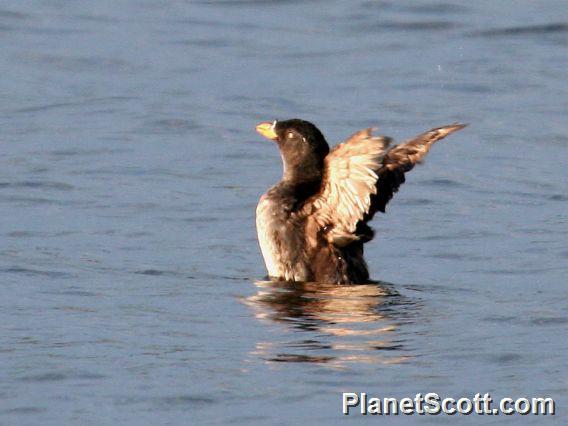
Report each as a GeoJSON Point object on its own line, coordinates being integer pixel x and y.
{"type": "Point", "coordinates": [332, 324]}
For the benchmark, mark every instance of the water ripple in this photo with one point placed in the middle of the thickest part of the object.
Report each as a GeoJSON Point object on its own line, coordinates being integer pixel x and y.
{"type": "Point", "coordinates": [524, 30]}
{"type": "Point", "coordinates": [333, 325]}
{"type": "Point", "coordinates": [36, 272]}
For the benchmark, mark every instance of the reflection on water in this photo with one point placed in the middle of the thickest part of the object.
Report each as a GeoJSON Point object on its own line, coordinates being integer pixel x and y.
{"type": "Point", "coordinates": [333, 325]}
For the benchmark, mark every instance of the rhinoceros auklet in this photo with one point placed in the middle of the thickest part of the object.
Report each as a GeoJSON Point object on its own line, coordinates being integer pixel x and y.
{"type": "Point", "coordinates": [313, 223]}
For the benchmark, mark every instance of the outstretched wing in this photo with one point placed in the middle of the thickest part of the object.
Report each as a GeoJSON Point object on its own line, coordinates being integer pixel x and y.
{"type": "Point", "coordinates": [349, 181]}
{"type": "Point", "coordinates": [360, 177]}
{"type": "Point", "coordinates": [401, 159]}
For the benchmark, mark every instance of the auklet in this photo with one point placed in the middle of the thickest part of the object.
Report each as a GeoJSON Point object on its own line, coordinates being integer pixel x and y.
{"type": "Point", "coordinates": [313, 223]}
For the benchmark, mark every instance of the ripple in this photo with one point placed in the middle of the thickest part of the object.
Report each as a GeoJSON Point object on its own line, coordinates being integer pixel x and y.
{"type": "Point", "coordinates": [169, 125]}
{"type": "Point", "coordinates": [201, 219]}
{"type": "Point", "coordinates": [461, 235]}
{"type": "Point", "coordinates": [253, 2]}
{"type": "Point", "coordinates": [469, 88]}
{"type": "Point", "coordinates": [45, 377]}
{"type": "Point", "coordinates": [10, 14]}
{"type": "Point", "coordinates": [435, 8]}
{"type": "Point", "coordinates": [507, 358]}
{"type": "Point", "coordinates": [417, 201]}
{"type": "Point", "coordinates": [301, 358]}
{"type": "Point", "coordinates": [96, 18]}
{"type": "Point", "coordinates": [46, 107]}
{"type": "Point", "coordinates": [442, 182]}
{"type": "Point", "coordinates": [72, 292]}
{"type": "Point", "coordinates": [191, 400]}
{"type": "Point", "coordinates": [524, 30]}
{"type": "Point", "coordinates": [60, 186]}
{"type": "Point", "coordinates": [24, 410]}
{"type": "Point", "coordinates": [208, 43]}
{"type": "Point", "coordinates": [459, 256]}
{"type": "Point", "coordinates": [25, 234]}
{"type": "Point", "coordinates": [36, 272]}
{"type": "Point", "coordinates": [73, 152]}
{"type": "Point", "coordinates": [501, 318]}
{"type": "Point", "coordinates": [389, 26]}
{"type": "Point", "coordinates": [333, 325]}
{"type": "Point", "coordinates": [160, 273]}
{"type": "Point", "coordinates": [512, 272]}
{"type": "Point", "coordinates": [84, 102]}
{"type": "Point", "coordinates": [58, 377]}
{"type": "Point", "coordinates": [39, 201]}
{"type": "Point", "coordinates": [91, 64]}
{"type": "Point", "coordinates": [549, 321]}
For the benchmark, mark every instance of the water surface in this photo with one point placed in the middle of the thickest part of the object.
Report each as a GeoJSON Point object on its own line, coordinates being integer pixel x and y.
{"type": "Point", "coordinates": [132, 287]}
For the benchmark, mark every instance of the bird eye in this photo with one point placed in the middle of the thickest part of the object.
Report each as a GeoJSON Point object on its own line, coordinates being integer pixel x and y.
{"type": "Point", "coordinates": [290, 135]}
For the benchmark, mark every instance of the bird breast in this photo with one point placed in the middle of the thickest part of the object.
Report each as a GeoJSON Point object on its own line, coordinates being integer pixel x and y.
{"type": "Point", "coordinates": [281, 239]}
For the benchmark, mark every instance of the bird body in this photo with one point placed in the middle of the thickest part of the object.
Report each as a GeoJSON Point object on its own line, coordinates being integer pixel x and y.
{"type": "Point", "coordinates": [312, 224]}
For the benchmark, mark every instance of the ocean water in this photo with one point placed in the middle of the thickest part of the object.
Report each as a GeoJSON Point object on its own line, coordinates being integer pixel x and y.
{"type": "Point", "coordinates": [132, 287]}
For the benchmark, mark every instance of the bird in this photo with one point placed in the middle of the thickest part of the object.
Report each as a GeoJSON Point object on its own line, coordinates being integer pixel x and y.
{"type": "Point", "coordinates": [312, 225]}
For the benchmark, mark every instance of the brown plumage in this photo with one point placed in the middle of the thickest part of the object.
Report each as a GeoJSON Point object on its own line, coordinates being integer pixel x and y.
{"type": "Point", "coordinates": [312, 225]}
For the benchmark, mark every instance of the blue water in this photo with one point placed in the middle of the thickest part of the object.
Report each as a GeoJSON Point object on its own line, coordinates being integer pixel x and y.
{"type": "Point", "coordinates": [132, 287]}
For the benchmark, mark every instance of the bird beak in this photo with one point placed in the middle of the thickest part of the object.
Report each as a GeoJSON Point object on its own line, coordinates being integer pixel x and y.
{"type": "Point", "coordinates": [266, 129]}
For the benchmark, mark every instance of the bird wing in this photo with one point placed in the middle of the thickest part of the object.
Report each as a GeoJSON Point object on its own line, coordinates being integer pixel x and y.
{"type": "Point", "coordinates": [360, 177]}
{"type": "Point", "coordinates": [402, 158]}
{"type": "Point", "coordinates": [349, 181]}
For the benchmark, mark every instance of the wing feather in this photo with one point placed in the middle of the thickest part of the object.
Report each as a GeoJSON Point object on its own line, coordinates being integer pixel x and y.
{"type": "Point", "coordinates": [349, 182]}
{"type": "Point", "coordinates": [361, 176]}
{"type": "Point", "coordinates": [402, 158]}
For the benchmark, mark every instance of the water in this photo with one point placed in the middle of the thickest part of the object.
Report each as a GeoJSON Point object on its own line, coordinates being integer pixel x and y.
{"type": "Point", "coordinates": [132, 287]}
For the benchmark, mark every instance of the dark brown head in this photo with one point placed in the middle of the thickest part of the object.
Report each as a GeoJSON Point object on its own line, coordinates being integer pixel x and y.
{"type": "Point", "coordinates": [302, 145]}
